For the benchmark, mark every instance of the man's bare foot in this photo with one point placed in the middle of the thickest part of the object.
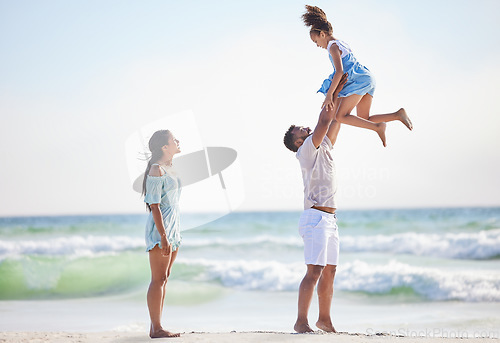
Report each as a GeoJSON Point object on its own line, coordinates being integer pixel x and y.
{"type": "Point", "coordinates": [302, 327]}
{"type": "Point", "coordinates": [163, 334]}
{"type": "Point", "coordinates": [403, 117]}
{"type": "Point", "coordinates": [325, 326]}
{"type": "Point", "coordinates": [381, 131]}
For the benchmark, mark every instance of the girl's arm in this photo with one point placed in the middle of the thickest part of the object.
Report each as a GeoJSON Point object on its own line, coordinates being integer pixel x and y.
{"type": "Point", "coordinates": [334, 128]}
{"type": "Point", "coordinates": [339, 71]}
{"type": "Point", "coordinates": [157, 217]}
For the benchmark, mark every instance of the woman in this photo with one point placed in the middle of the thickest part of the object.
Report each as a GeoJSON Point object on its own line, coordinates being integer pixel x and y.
{"type": "Point", "coordinates": [161, 190]}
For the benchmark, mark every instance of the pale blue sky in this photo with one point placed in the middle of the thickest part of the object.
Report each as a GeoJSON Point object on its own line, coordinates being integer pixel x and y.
{"type": "Point", "coordinates": [77, 78]}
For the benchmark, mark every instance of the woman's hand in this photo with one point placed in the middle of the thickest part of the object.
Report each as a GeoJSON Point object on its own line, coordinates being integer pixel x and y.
{"type": "Point", "coordinates": [166, 246]}
{"type": "Point", "coordinates": [328, 102]}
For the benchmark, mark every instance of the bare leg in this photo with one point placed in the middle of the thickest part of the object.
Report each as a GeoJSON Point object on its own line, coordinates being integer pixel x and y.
{"type": "Point", "coordinates": [306, 291]}
{"type": "Point", "coordinates": [173, 255]}
{"type": "Point", "coordinates": [325, 295]}
{"type": "Point", "coordinates": [363, 111]}
{"type": "Point", "coordinates": [344, 116]}
{"type": "Point", "coordinates": [156, 292]}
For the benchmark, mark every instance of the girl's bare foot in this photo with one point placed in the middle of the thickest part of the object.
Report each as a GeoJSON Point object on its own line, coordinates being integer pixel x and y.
{"type": "Point", "coordinates": [163, 334]}
{"type": "Point", "coordinates": [325, 326]}
{"type": "Point", "coordinates": [302, 327]}
{"type": "Point", "coordinates": [403, 117]}
{"type": "Point", "coordinates": [381, 131]}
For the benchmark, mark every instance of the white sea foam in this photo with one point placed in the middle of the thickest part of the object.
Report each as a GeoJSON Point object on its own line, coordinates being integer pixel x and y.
{"type": "Point", "coordinates": [430, 283]}
{"type": "Point", "coordinates": [69, 246]}
{"type": "Point", "coordinates": [476, 245]}
{"type": "Point", "coordinates": [250, 275]}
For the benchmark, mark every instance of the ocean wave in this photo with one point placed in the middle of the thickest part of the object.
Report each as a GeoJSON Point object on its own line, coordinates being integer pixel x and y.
{"type": "Point", "coordinates": [248, 275]}
{"type": "Point", "coordinates": [478, 245]}
{"type": "Point", "coordinates": [429, 283]}
{"type": "Point", "coordinates": [60, 277]}
{"type": "Point", "coordinates": [35, 276]}
{"type": "Point", "coordinates": [70, 246]}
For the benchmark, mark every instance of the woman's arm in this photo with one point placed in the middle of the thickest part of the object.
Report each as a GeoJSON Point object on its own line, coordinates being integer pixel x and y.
{"type": "Point", "coordinates": [157, 217]}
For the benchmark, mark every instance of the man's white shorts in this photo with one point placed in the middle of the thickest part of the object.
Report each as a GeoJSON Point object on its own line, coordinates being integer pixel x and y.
{"type": "Point", "coordinates": [320, 233]}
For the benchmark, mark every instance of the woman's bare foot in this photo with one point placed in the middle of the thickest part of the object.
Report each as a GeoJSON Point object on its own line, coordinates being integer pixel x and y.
{"type": "Point", "coordinates": [302, 327]}
{"type": "Point", "coordinates": [403, 117]}
{"type": "Point", "coordinates": [160, 333]}
{"type": "Point", "coordinates": [163, 334]}
{"type": "Point", "coordinates": [381, 131]}
{"type": "Point", "coordinates": [325, 326]}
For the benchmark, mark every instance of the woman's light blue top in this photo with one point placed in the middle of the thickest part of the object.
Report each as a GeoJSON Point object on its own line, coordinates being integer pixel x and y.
{"type": "Point", "coordinates": [164, 190]}
{"type": "Point", "coordinates": [359, 78]}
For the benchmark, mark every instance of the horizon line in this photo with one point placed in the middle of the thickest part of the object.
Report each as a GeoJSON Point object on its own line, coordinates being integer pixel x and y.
{"type": "Point", "coordinates": [2, 216]}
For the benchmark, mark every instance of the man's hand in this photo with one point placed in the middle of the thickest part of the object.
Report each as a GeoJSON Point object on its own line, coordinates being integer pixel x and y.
{"type": "Point", "coordinates": [330, 98]}
{"type": "Point", "coordinates": [341, 84]}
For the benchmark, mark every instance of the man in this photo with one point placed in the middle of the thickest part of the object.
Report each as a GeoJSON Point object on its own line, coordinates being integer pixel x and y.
{"type": "Point", "coordinates": [318, 222]}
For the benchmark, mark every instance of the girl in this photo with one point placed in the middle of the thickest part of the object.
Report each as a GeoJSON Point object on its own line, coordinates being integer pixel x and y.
{"type": "Point", "coordinates": [161, 188]}
{"type": "Point", "coordinates": [358, 91]}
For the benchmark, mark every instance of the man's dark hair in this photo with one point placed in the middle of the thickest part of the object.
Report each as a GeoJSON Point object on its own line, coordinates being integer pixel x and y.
{"type": "Point", "coordinates": [289, 139]}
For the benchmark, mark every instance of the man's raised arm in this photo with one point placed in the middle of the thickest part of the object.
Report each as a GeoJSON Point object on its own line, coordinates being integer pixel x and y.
{"type": "Point", "coordinates": [326, 118]}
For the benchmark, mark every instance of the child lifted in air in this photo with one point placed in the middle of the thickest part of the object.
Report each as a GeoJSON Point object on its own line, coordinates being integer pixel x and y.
{"type": "Point", "coordinates": [360, 86]}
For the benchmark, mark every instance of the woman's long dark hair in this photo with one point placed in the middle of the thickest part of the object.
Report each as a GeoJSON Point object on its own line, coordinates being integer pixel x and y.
{"type": "Point", "coordinates": [316, 19]}
{"type": "Point", "coordinates": [156, 142]}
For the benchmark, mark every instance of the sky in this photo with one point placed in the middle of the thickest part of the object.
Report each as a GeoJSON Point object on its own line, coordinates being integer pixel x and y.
{"type": "Point", "coordinates": [79, 78]}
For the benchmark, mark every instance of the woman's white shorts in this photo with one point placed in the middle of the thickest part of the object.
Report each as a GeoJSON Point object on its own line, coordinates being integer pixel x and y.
{"type": "Point", "coordinates": [320, 233]}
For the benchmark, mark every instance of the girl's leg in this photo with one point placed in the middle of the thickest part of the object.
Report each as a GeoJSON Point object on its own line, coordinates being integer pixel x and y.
{"type": "Point", "coordinates": [344, 116]}
{"type": "Point", "coordinates": [363, 111]}
{"type": "Point", "coordinates": [159, 266]}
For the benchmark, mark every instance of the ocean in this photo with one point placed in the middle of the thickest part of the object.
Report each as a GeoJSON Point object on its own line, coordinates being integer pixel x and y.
{"type": "Point", "coordinates": [411, 272]}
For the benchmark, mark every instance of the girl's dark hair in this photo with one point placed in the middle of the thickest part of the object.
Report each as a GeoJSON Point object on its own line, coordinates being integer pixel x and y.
{"type": "Point", "coordinates": [316, 19]}
{"type": "Point", "coordinates": [156, 142]}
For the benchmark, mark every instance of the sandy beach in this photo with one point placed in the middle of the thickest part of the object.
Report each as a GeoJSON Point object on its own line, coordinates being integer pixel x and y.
{"type": "Point", "coordinates": [254, 336]}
